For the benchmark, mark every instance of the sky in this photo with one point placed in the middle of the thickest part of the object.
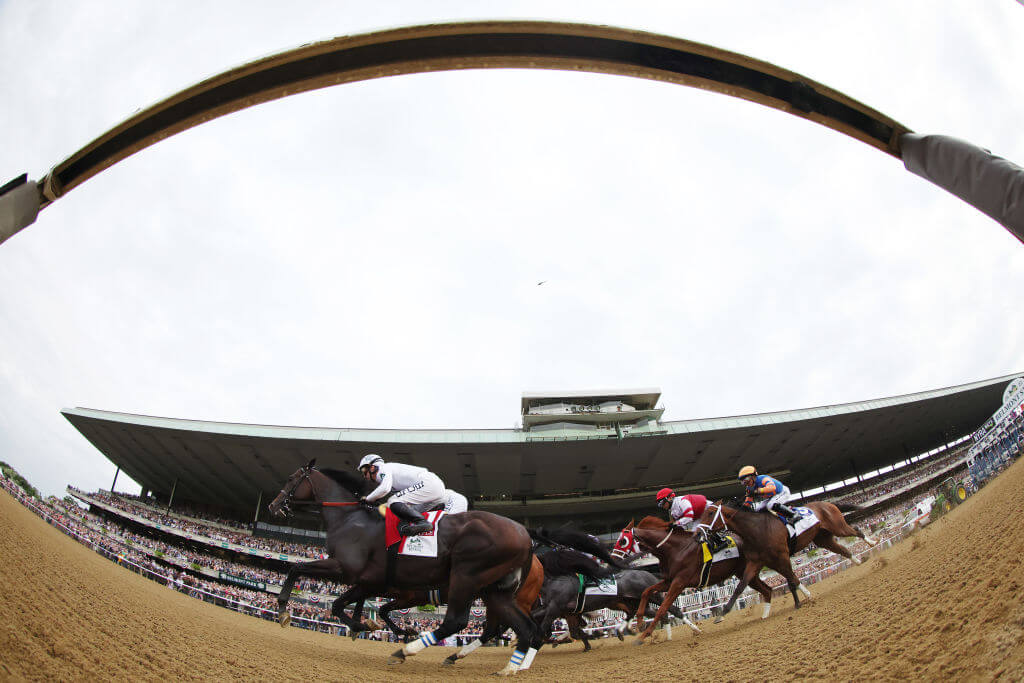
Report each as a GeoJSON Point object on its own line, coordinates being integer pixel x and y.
{"type": "Point", "coordinates": [368, 255]}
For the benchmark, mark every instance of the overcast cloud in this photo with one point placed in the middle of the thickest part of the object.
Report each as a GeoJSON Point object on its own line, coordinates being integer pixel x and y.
{"type": "Point", "coordinates": [368, 255]}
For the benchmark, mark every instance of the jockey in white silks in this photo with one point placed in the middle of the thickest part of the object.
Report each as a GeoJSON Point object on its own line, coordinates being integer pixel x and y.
{"type": "Point", "coordinates": [406, 489]}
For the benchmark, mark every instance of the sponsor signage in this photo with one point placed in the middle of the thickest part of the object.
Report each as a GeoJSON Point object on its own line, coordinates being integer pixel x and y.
{"type": "Point", "coordinates": [242, 581]}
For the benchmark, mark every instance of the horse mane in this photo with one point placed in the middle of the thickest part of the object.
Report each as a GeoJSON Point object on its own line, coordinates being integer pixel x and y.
{"type": "Point", "coordinates": [562, 562]}
{"type": "Point", "coordinates": [351, 481]}
{"type": "Point", "coordinates": [651, 522]}
{"type": "Point", "coordinates": [577, 540]}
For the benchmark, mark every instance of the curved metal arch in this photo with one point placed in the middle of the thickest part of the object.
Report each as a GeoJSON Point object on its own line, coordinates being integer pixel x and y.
{"type": "Point", "coordinates": [518, 44]}
{"type": "Point", "coordinates": [497, 44]}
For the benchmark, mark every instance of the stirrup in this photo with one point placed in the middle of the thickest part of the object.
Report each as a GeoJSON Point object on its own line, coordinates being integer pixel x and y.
{"type": "Point", "coordinates": [414, 528]}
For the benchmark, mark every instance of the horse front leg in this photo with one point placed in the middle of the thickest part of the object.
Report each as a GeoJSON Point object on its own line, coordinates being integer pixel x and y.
{"type": "Point", "coordinates": [749, 572]}
{"type": "Point", "coordinates": [327, 569]}
{"type": "Point", "coordinates": [674, 589]}
{"type": "Point", "coordinates": [644, 598]}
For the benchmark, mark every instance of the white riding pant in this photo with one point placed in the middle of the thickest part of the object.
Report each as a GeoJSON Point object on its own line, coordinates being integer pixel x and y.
{"type": "Point", "coordinates": [770, 503]}
{"type": "Point", "coordinates": [428, 492]}
{"type": "Point", "coordinates": [454, 502]}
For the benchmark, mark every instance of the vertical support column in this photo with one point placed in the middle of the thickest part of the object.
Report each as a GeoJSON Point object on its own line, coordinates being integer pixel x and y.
{"type": "Point", "coordinates": [114, 483]}
{"type": "Point", "coordinates": [170, 500]}
{"type": "Point", "coordinates": [259, 501]}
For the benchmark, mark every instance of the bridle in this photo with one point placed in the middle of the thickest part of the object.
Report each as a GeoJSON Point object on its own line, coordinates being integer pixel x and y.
{"type": "Point", "coordinates": [708, 528]}
{"type": "Point", "coordinates": [286, 504]}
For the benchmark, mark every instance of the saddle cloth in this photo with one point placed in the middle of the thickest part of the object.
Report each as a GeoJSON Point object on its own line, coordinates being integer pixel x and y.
{"type": "Point", "coordinates": [805, 521]}
{"type": "Point", "coordinates": [588, 587]}
{"type": "Point", "coordinates": [727, 553]}
{"type": "Point", "coordinates": [423, 545]}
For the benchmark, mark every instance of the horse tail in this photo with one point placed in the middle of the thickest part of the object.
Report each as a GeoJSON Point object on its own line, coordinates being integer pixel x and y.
{"type": "Point", "coordinates": [847, 507]}
{"type": "Point", "coordinates": [564, 562]}
{"type": "Point", "coordinates": [577, 540]}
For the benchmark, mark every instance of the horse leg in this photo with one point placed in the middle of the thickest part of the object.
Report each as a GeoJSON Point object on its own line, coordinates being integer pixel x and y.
{"type": "Point", "coordinates": [826, 540]}
{"type": "Point", "coordinates": [784, 566]}
{"type": "Point", "coordinates": [766, 594]}
{"type": "Point", "coordinates": [506, 611]}
{"type": "Point", "coordinates": [644, 598]}
{"type": "Point", "coordinates": [681, 616]}
{"type": "Point", "coordinates": [491, 629]}
{"type": "Point", "coordinates": [460, 597]}
{"type": "Point", "coordinates": [328, 568]}
{"type": "Point", "coordinates": [408, 600]}
{"type": "Point", "coordinates": [750, 570]}
{"type": "Point", "coordinates": [674, 589]}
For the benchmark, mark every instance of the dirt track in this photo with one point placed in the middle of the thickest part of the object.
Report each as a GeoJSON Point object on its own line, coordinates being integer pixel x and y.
{"type": "Point", "coordinates": [943, 604]}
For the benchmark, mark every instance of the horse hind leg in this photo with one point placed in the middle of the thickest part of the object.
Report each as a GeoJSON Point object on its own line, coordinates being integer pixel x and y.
{"type": "Point", "coordinates": [829, 542]}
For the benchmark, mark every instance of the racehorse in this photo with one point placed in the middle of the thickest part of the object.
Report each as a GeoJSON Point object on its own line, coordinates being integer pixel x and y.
{"type": "Point", "coordinates": [560, 596]}
{"type": "Point", "coordinates": [478, 554]}
{"type": "Point", "coordinates": [767, 541]}
{"type": "Point", "coordinates": [682, 562]}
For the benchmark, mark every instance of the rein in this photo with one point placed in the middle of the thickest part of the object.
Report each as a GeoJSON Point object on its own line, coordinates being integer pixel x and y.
{"type": "Point", "coordinates": [670, 530]}
{"type": "Point", "coordinates": [718, 516]}
{"type": "Point", "coordinates": [288, 502]}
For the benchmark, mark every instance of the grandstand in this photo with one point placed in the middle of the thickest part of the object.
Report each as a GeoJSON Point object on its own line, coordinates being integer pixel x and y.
{"type": "Point", "coordinates": [591, 457]}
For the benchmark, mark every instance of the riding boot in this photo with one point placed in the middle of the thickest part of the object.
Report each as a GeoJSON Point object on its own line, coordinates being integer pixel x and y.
{"type": "Point", "coordinates": [787, 512]}
{"type": "Point", "coordinates": [716, 541]}
{"type": "Point", "coordinates": [413, 523]}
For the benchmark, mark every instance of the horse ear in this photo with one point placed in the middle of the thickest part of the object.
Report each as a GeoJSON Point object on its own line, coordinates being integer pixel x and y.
{"type": "Point", "coordinates": [311, 463]}
{"type": "Point", "coordinates": [630, 525]}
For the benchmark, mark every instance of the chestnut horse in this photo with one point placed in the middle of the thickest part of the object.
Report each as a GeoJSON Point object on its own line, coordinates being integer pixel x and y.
{"type": "Point", "coordinates": [681, 558]}
{"type": "Point", "coordinates": [767, 542]}
{"type": "Point", "coordinates": [479, 554]}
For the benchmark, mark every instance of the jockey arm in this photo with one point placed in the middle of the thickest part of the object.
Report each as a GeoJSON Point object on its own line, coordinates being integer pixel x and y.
{"type": "Point", "coordinates": [384, 488]}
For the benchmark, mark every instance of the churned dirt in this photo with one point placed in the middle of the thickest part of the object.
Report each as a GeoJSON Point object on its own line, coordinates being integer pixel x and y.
{"type": "Point", "coordinates": [945, 604]}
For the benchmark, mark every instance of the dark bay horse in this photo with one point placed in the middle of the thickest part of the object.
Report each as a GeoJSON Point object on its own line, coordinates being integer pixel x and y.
{"type": "Point", "coordinates": [681, 558]}
{"type": "Point", "coordinates": [479, 555]}
{"type": "Point", "coordinates": [767, 543]}
{"type": "Point", "coordinates": [560, 596]}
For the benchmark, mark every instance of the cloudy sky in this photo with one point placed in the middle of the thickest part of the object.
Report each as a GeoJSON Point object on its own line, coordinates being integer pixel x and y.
{"type": "Point", "coordinates": [368, 255]}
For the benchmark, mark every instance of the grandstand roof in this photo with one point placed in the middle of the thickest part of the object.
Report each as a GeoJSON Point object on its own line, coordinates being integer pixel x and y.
{"type": "Point", "coordinates": [523, 474]}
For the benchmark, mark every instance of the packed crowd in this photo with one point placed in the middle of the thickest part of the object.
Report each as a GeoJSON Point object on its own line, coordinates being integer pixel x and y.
{"type": "Point", "coordinates": [906, 480]}
{"type": "Point", "coordinates": [198, 526]}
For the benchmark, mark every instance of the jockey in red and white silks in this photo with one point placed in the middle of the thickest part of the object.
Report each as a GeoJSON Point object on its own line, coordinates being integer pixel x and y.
{"type": "Point", "coordinates": [683, 510]}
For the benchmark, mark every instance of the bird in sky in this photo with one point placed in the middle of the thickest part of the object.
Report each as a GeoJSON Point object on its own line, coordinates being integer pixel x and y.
{"type": "Point", "coordinates": [541, 282]}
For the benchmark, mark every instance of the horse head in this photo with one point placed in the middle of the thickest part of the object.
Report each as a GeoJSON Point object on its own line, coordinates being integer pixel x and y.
{"type": "Point", "coordinates": [626, 544]}
{"type": "Point", "coordinates": [298, 487]}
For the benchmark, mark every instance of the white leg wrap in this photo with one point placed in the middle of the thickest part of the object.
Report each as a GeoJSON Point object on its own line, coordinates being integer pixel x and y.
{"type": "Point", "coordinates": [668, 631]}
{"type": "Point", "coordinates": [514, 664]}
{"type": "Point", "coordinates": [803, 589]}
{"type": "Point", "coordinates": [530, 654]}
{"type": "Point", "coordinates": [767, 609]}
{"type": "Point", "coordinates": [425, 640]}
{"type": "Point", "coordinates": [469, 647]}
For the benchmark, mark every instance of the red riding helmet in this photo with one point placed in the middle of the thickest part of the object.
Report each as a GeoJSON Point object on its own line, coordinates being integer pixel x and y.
{"type": "Point", "coordinates": [665, 493]}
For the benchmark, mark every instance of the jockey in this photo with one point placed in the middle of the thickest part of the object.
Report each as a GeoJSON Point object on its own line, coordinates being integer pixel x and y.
{"type": "Point", "coordinates": [685, 511]}
{"type": "Point", "coordinates": [407, 488]}
{"type": "Point", "coordinates": [454, 502]}
{"type": "Point", "coordinates": [764, 492]}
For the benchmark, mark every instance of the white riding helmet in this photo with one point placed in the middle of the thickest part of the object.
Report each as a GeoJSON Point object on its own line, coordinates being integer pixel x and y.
{"type": "Point", "coordinates": [368, 460]}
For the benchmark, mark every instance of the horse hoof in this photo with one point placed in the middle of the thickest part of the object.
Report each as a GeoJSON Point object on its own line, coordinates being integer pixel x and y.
{"type": "Point", "coordinates": [619, 634]}
{"type": "Point", "coordinates": [449, 660]}
{"type": "Point", "coordinates": [397, 657]}
{"type": "Point", "coordinates": [718, 620]}
{"type": "Point", "coordinates": [284, 619]}
{"type": "Point", "coordinates": [638, 642]}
